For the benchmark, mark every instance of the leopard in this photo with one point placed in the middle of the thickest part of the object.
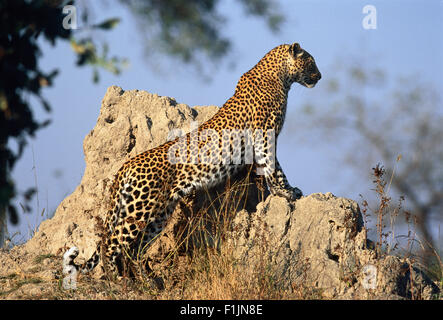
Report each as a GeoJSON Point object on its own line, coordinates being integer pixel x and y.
{"type": "Point", "coordinates": [147, 187]}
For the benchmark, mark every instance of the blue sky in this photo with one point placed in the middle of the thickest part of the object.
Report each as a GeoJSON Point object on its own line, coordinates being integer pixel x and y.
{"type": "Point", "coordinates": [408, 40]}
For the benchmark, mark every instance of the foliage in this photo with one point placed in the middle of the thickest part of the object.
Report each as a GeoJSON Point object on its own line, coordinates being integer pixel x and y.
{"type": "Point", "coordinates": [192, 29]}
{"type": "Point", "coordinates": [23, 24]}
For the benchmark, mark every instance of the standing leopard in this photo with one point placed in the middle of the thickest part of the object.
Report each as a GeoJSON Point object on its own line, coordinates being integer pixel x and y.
{"type": "Point", "coordinates": [147, 187]}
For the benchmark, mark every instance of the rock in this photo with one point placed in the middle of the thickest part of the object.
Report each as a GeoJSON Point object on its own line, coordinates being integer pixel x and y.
{"type": "Point", "coordinates": [129, 122]}
{"type": "Point", "coordinates": [318, 241]}
{"type": "Point", "coordinates": [321, 243]}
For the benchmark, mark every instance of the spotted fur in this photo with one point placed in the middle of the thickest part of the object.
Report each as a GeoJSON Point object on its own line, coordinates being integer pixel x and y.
{"type": "Point", "coordinates": [147, 187]}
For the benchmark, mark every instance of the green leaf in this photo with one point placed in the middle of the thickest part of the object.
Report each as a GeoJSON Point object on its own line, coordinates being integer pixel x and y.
{"type": "Point", "coordinates": [95, 76]}
{"type": "Point", "coordinates": [108, 24]}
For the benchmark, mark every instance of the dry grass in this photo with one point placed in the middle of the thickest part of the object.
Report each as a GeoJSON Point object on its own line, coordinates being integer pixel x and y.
{"type": "Point", "coordinates": [203, 264]}
{"type": "Point", "coordinates": [409, 246]}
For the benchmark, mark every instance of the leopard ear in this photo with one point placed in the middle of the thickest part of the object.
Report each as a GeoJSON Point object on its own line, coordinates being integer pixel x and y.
{"type": "Point", "coordinates": [295, 50]}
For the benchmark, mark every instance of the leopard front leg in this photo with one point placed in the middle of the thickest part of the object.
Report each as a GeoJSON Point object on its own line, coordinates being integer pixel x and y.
{"type": "Point", "coordinates": [267, 165]}
{"type": "Point", "coordinates": [278, 183]}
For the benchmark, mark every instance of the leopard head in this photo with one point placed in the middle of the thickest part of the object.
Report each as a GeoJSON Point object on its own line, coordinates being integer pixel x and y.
{"type": "Point", "coordinates": [302, 67]}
